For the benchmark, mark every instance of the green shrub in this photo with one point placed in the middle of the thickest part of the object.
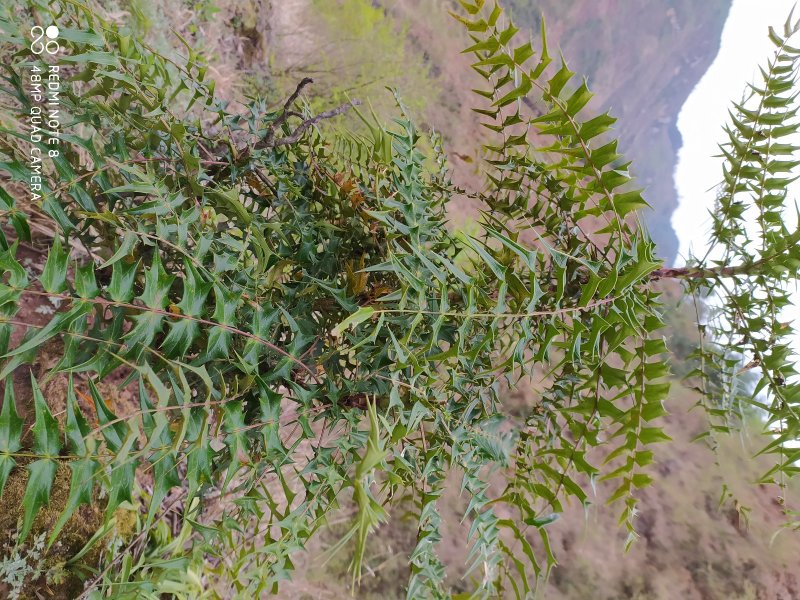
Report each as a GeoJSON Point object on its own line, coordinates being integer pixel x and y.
{"type": "Point", "coordinates": [303, 330]}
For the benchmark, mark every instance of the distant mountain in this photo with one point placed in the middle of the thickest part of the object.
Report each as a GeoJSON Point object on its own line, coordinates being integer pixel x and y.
{"type": "Point", "coordinates": [642, 58]}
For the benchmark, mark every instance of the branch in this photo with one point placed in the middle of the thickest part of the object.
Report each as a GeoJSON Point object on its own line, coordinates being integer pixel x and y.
{"type": "Point", "coordinates": [269, 140]}
{"type": "Point", "coordinates": [146, 309]}
{"type": "Point", "coordinates": [286, 112]}
{"type": "Point", "coordinates": [296, 94]}
{"type": "Point", "coordinates": [705, 273]}
{"type": "Point", "coordinates": [328, 114]}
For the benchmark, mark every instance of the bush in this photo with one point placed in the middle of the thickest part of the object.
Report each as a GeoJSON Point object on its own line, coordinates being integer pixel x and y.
{"type": "Point", "coordinates": [302, 329]}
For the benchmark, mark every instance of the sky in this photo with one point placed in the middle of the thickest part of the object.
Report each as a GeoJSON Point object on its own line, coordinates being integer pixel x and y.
{"type": "Point", "coordinates": [744, 47]}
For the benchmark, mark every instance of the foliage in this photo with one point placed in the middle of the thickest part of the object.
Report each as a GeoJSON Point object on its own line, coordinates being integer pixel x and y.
{"type": "Point", "coordinates": [303, 330]}
{"type": "Point", "coordinates": [647, 78]}
{"type": "Point", "coordinates": [751, 266]}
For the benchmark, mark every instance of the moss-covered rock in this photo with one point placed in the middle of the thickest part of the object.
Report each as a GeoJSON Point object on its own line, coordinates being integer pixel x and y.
{"type": "Point", "coordinates": [44, 572]}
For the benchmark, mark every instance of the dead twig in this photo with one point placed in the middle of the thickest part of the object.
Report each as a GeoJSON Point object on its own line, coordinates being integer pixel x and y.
{"type": "Point", "coordinates": [286, 112]}
{"type": "Point", "coordinates": [328, 114]}
{"type": "Point", "coordinates": [269, 140]}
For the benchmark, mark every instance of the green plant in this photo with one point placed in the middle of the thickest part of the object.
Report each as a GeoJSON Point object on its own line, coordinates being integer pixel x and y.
{"type": "Point", "coordinates": [19, 563]}
{"type": "Point", "coordinates": [303, 330]}
{"type": "Point", "coordinates": [162, 566]}
{"type": "Point", "coordinates": [751, 264]}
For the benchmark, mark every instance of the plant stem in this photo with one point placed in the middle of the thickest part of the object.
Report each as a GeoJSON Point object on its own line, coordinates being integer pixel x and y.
{"type": "Point", "coordinates": [708, 273]}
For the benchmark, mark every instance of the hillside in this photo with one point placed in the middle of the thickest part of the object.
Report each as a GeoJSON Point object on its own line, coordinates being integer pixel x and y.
{"type": "Point", "coordinates": [692, 546]}
{"type": "Point", "coordinates": [697, 542]}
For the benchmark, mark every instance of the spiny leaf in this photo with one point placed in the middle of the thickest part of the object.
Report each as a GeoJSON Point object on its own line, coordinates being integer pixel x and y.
{"type": "Point", "coordinates": [41, 474]}
{"type": "Point", "coordinates": [114, 430]}
{"type": "Point", "coordinates": [10, 433]}
{"type": "Point", "coordinates": [362, 314]}
{"type": "Point", "coordinates": [54, 275]}
{"type": "Point", "coordinates": [46, 438]}
{"type": "Point", "coordinates": [129, 240]}
{"type": "Point", "coordinates": [81, 484]}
